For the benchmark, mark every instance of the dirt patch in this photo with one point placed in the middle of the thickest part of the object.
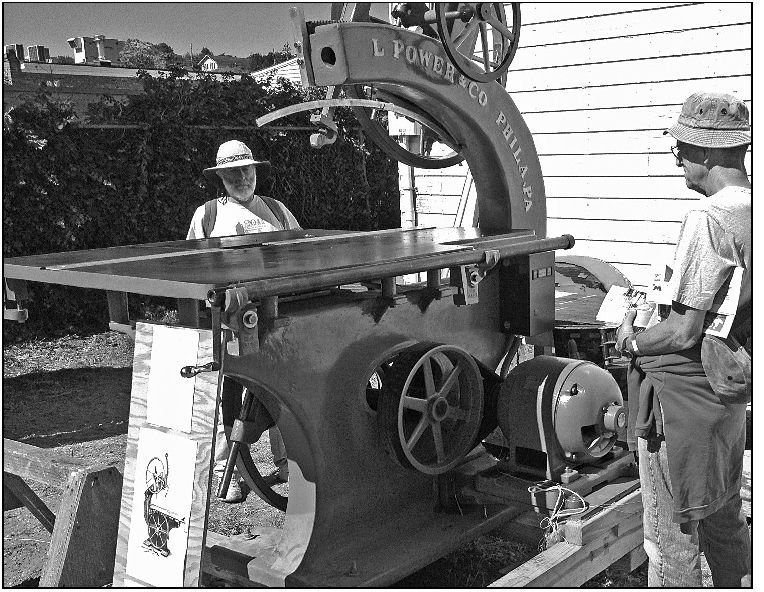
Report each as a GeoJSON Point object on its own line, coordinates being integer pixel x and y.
{"type": "Point", "coordinates": [73, 395]}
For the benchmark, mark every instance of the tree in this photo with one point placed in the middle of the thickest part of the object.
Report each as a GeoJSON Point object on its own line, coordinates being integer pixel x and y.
{"type": "Point", "coordinates": [258, 61]}
{"type": "Point", "coordinates": [142, 54]}
{"type": "Point", "coordinates": [63, 59]}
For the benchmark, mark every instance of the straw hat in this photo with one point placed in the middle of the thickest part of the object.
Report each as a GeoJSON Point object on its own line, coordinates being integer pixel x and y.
{"type": "Point", "coordinates": [234, 153]}
{"type": "Point", "coordinates": [712, 120]}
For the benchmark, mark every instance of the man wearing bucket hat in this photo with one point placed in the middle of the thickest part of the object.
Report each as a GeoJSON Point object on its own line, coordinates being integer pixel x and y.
{"type": "Point", "coordinates": [688, 391]}
{"type": "Point", "coordinates": [241, 211]}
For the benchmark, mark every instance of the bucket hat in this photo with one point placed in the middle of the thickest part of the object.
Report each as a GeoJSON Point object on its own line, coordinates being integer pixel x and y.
{"type": "Point", "coordinates": [234, 153]}
{"type": "Point", "coordinates": [712, 120]}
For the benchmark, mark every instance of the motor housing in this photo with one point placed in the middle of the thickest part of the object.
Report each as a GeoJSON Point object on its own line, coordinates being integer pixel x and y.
{"type": "Point", "coordinates": [557, 413]}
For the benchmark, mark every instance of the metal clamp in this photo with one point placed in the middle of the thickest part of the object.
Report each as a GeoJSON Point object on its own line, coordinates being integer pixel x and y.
{"type": "Point", "coordinates": [467, 277]}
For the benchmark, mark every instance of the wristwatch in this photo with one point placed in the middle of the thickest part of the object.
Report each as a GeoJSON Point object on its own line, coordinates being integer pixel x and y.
{"type": "Point", "coordinates": [625, 352]}
{"type": "Point", "coordinates": [634, 348]}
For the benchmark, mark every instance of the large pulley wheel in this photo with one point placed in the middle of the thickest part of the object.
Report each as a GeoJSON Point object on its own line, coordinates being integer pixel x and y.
{"type": "Point", "coordinates": [430, 408]}
{"type": "Point", "coordinates": [479, 34]}
{"type": "Point", "coordinates": [231, 407]}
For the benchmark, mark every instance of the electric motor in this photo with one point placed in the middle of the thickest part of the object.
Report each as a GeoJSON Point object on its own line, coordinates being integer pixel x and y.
{"type": "Point", "coordinates": [558, 412]}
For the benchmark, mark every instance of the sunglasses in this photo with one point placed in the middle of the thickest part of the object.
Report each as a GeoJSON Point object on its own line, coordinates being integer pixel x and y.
{"type": "Point", "coordinates": [677, 152]}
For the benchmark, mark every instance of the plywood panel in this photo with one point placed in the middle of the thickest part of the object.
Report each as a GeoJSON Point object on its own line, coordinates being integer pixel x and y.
{"type": "Point", "coordinates": [615, 230]}
{"type": "Point", "coordinates": [663, 210]}
{"type": "Point", "coordinates": [736, 36]}
{"type": "Point", "coordinates": [629, 95]}
{"type": "Point", "coordinates": [203, 413]}
{"type": "Point", "coordinates": [687, 16]}
{"type": "Point", "coordinates": [707, 65]}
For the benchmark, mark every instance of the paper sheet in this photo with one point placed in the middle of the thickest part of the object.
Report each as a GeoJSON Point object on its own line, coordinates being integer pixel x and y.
{"type": "Point", "coordinates": [170, 396]}
{"type": "Point", "coordinates": [161, 508]}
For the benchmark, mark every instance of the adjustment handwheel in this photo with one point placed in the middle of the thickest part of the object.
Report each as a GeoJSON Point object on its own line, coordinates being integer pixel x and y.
{"type": "Point", "coordinates": [460, 27]}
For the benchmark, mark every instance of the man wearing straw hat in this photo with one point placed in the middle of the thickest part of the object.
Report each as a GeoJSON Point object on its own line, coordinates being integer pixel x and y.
{"type": "Point", "coordinates": [688, 390]}
{"type": "Point", "coordinates": [241, 211]}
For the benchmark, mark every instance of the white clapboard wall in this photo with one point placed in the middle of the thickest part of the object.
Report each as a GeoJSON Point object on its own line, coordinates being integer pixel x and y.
{"type": "Point", "coordinates": [597, 83]}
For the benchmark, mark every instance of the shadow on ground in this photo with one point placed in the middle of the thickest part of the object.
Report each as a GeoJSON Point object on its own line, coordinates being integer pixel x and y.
{"type": "Point", "coordinates": [54, 408]}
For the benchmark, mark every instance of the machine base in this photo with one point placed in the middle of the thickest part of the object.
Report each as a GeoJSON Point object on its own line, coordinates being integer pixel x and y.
{"type": "Point", "coordinates": [500, 484]}
{"type": "Point", "coordinates": [376, 561]}
{"type": "Point", "coordinates": [488, 498]}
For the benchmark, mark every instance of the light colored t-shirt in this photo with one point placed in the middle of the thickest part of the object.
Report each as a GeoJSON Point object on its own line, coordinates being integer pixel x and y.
{"type": "Point", "coordinates": [233, 218]}
{"type": "Point", "coordinates": [715, 237]}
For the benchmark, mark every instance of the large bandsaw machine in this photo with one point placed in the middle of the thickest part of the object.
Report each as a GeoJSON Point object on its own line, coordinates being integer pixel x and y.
{"type": "Point", "coordinates": [383, 395]}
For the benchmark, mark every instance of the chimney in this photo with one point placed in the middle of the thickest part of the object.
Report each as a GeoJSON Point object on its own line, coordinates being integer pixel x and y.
{"type": "Point", "coordinates": [99, 39]}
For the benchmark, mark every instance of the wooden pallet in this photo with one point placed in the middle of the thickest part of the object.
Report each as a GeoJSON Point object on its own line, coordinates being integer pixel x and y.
{"type": "Point", "coordinates": [84, 530]}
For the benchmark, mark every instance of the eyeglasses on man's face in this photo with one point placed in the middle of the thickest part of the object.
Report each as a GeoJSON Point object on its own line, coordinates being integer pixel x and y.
{"type": "Point", "coordinates": [677, 152]}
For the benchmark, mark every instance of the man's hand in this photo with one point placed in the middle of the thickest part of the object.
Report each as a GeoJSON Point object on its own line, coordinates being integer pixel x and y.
{"type": "Point", "coordinates": [625, 329]}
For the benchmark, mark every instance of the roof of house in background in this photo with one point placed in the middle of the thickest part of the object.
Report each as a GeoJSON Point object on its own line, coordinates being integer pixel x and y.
{"type": "Point", "coordinates": [288, 69]}
{"type": "Point", "coordinates": [226, 62]}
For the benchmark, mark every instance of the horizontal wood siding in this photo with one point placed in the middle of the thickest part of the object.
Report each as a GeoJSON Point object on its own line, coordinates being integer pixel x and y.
{"type": "Point", "coordinates": [597, 84]}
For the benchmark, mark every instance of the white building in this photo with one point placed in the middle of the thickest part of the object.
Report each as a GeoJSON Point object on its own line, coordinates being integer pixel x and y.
{"type": "Point", "coordinates": [96, 49]}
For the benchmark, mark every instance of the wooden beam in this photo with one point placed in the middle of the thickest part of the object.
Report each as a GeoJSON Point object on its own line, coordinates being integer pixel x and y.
{"type": "Point", "coordinates": [118, 312]}
{"type": "Point", "coordinates": [589, 528]}
{"type": "Point", "coordinates": [10, 501]}
{"type": "Point", "coordinates": [82, 548]}
{"type": "Point", "coordinates": [38, 464]}
{"type": "Point", "coordinates": [568, 565]}
{"type": "Point", "coordinates": [29, 498]}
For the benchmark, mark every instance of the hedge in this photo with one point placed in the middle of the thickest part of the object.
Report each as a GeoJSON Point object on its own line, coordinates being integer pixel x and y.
{"type": "Point", "coordinates": [138, 177]}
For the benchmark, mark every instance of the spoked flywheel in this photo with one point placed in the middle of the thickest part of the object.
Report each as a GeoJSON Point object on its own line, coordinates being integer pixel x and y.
{"type": "Point", "coordinates": [431, 407]}
{"type": "Point", "coordinates": [479, 34]}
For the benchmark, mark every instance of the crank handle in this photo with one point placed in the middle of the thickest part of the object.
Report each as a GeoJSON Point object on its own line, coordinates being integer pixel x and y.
{"type": "Point", "coordinates": [191, 371]}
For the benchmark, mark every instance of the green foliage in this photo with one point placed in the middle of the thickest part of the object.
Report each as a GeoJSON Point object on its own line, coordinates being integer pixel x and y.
{"type": "Point", "coordinates": [68, 187]}
{"type": "Point", "coordinates": [258, 61]}
{"type": "Point", "coordinates": [142, 54]}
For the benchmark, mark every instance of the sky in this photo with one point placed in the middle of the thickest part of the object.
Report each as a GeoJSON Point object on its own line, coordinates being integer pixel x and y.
{"type": "Point", "coordinates": [234, 28]}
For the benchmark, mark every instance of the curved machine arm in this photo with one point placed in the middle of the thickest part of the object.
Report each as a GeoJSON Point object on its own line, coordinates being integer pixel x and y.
{"type": "Point", "coordinates": [480, 117]}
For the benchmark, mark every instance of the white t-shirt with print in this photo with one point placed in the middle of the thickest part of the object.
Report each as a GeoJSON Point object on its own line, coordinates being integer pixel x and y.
{"type": "Point", "coordinates": [234, 218]}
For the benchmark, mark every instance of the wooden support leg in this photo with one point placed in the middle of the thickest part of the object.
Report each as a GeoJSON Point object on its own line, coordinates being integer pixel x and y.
{"type": "Point", "coordinates": [83, 543]}
{"type": "Point", "coordinates": [188, 312]}
{"type": "Point", "coordinates": [632, 560]}
{"type": "Point", "coordinates": [119, 317]}
{"type": "Point", "coordinates": [23, 493]}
